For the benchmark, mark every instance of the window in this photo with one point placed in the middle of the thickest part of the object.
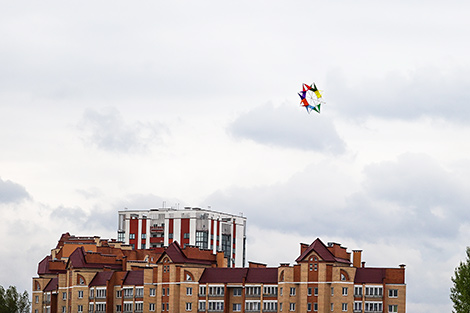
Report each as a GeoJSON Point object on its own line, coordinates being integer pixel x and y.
{"type": "Point", "coordinates": [373, 306]}
{"type": "Point", "coordinates": [237, 292]}
{"type": "Point", "coordinates": [127, 306]}
{"type": "Point", "coordinates": [92, 293]}
{"type": "Point", "coordinates": [237, 307]}
{"type": "Point", "coordinates": [131, 236]}
{"type": "Point", "coordinates": [216, 306]}
{"type": "Point", "coordinates": [345, 291]}
{"type": "Point", "coordinates": [343, 277]}
{"type": "Point", "coordinates": [189, 306]}
{"type": "Point", "coordinates": [315, 291]}
{"type": "Point", "coordinates": [216, 291]}
{"type": "Point", "coordinates": [344, 307]}
{"type": "Point", "coordinates": [139, 292]}
{"type": "Point", "coordinates": [269, 306]}
{"type": "Point", "coordinates": [163, 291]}
{"type": "Point", "coordinates": [280, 291]}
{"type": "Point", "coordinates": [64, 296]}
{"type": "Point", "coordinates": [186, 235]}
{"type": "Point", "coordinates": [309, 306]}
{"type": "Point", "coordinates": [144, 236]}
{"type": "Point", "coordinates": [252, 306]}
{"type": "Point", "coordinates": [393, 293]}
{"type": "Point", "coordinates": [309, 291]}
{"type": "Point", "coordinates": [139, 307]}
{"type": "Point", "coordinates": [332, 291]}
{"type": "Point", "coordinates": [315, 307]}
{"type": "Point", "coordinates": [291, 306]}
{"type": "Point", "coordinates": [118, 308]}
{"type": "Point", "coordinates": [202, 305]}
{"type": "Point", "coordinates": [36, 299]}
{"type": "Point", "coordinates": [253, 291]}
{"type": "Point", "coordinates": [332, 307]}
{"type": "Point", "coordinates": [280, 307]}
{"type": "Point", "coordinates": [101, 307]}
{"type": "Point", "coordinates": [392, 308]}
{"type": "Point", "coordinates": [311, 267]}
{"type": "Point", "coordinates": [357, 306]}
{"type": "Point", "coordinates": [201, 239]}
{"type": "Point", "coordinates": [189, 292]}
{"type": "Point", "coordinates": [64, 309]}
{"type": "Point", "coordinates": [270, 290]}
{"type": "Point", "coordinates": [202, 290]}
{"type": "Point", "coordinates": [118, 293]}
{"type": "Point", "coordinates": [80, 294]}
{"type": "Point", "coordinates": [143, 246]}
{"type": "Point", "coordinates": [120, 236]}
{"type": "Point", "coordinates": [80, 308]}
{"type": "Point", "coordinates": [168, 291]}
{"type": "Point", "coordinates": [374, 292]}
{"type": "Point", "coordinates": [90, 308]}
{"type": "Point", "coordinates": [100, 293]}
{"type": "Point", "coordinates": [358, 291]}
{"type": "Point", "coordinates": [152, 292]}
{"type": "Point", "coordinates": [128, 293]}
{"type": "Point", "coordinates": [292, 291]}
{"type": "Point", "coordinates": [152, 307]}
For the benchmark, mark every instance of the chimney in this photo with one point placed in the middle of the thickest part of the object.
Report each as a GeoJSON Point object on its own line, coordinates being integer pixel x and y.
{"type": "Point", "coordinates": [402, 265]}
{"type": "Point", "coordinates": [303, 247]}
{"type": "Point", "coordinates": [363, 264]}
{"type": "Point", "coordinates": [357, 258]}
{"type": "Point", "coordinates": [124, 263]}
{"type": "Point", "coordinates": [221, 260]}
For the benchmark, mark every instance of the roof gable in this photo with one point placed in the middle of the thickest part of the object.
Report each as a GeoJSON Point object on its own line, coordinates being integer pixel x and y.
{"type": "Point", "coordinates": [320, 249]}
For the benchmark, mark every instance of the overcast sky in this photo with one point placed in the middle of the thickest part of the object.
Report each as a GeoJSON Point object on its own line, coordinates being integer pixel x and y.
{"type": "Point", "coordinates": [113, 104]}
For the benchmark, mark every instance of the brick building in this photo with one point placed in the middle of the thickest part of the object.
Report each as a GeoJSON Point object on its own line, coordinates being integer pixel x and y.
{"type": "Point", "coordinates": [85, 274]}
{"type": "Point", "coordinates": [204, 228]}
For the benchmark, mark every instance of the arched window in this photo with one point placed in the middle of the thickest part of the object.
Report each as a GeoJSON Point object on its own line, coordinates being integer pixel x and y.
{"type": "Point", "coordinates": [80, 280]}
{"type": "Point", "coordinates": [188, 276]}
{"type": "Point", "coordinates": [344, 276]}
{"type": "Point", "coordinates": [281, 276]}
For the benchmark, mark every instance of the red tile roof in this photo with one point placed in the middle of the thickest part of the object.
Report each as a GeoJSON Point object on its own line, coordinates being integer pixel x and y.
{"type": "Point", "coordinates": [177, 255]}
{"type": "Point", "coordinates": [319, 247]}
{"type": "Point", "coordinates": [369, 275]}
{"type": "Point", "coordinates": [134, 278]}
{"type": "Point", "coordinates": [78, 260]}
{"type": "Point", "coordinates": [214, 275]}
{"type": "Point", "coordinates": [267, 275]}
{"type": "Point", "coordinates": [101, 278]}
{"type": "Point", "coordinates": [52, 285]}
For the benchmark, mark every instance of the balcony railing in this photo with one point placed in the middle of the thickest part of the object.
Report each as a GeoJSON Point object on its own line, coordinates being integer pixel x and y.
{"type": "Point", "coordinates": [157, 229]}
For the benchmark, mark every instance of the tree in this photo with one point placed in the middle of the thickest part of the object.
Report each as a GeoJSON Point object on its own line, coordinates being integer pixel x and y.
{"type": "Point", "coordinates": [460, 292]}
{"type": "Point", "coordinates": [13, 302]}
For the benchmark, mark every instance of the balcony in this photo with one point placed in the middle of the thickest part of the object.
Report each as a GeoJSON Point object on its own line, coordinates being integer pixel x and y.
{"type": "Point", "coordinates": [157, 229]}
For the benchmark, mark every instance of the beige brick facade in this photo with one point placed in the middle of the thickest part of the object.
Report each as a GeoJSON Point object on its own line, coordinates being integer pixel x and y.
{"type": "Point", "coordinates": [112, 279]}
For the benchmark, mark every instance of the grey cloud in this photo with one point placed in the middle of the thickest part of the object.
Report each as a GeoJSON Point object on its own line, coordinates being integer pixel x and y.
{"type": "Point", "coordinates": [70, 214]}
{"type": "Point", "coordinates": [108, 131]}
{"type": "Point", "coordinates": [426, 92]}
{"type": "Point", "coordinates": [290, 127]}
{"type": "Point", "coordinates": [11, 192]}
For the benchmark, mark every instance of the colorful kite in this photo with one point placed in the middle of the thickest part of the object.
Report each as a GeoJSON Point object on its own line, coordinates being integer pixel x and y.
{"type": "Point", "coordinates": [311, 98]}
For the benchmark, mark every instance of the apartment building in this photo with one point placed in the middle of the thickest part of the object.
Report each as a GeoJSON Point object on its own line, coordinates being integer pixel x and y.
{"type": "Point", "coordinates": [94, 276]}
{"type": "Point", "coordinates": [204, 228]}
